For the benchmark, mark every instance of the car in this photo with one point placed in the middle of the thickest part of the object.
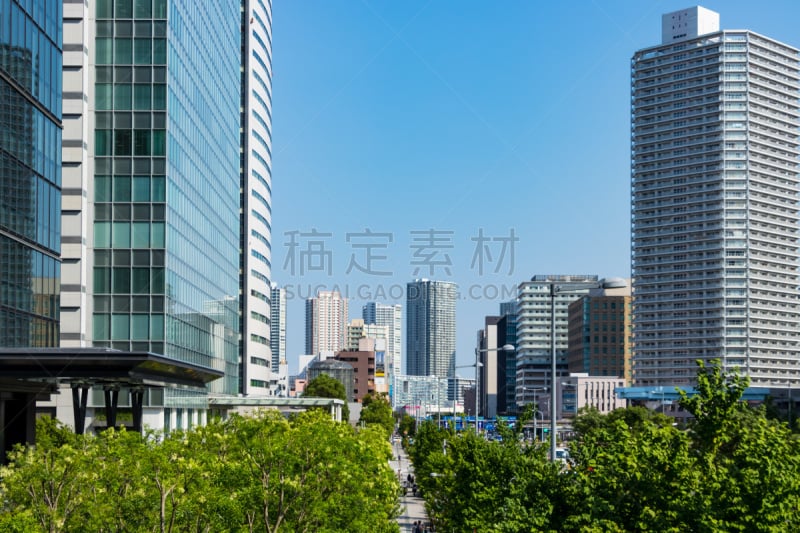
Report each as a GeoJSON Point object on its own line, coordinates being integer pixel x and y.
{"type": "Point", "coordinates": [562, 455]}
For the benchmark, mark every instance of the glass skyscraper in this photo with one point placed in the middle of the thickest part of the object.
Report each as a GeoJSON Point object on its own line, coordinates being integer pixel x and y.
{"type": "Point", "coordinates": [715, 203]}
{"type": "Point", "coordinates": [30, 172]}
{"type": "Point", "coordinates": [160, 242]}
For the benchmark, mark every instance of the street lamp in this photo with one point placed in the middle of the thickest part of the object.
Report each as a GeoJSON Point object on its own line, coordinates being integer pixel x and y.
{"type": "Point", "coordinates": [476, 364]}
{"type": "Point", "coordinates": [438, 398]}
{"type": "Point", "coordinates": [565, 285]}
{"type": "Point", "coordinates": [535, 407]}
{"type": "Point", "coordinates": [478, 351]}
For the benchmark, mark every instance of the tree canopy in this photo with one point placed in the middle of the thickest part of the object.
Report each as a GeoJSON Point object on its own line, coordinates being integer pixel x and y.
{"type": "Point", "coordinates": [324, 386]}
{"type": "Point", "coordinates": [734, 469]}
{"type": "Point", "coordinates": [376, 409]}
{"type": "Point", "coordinates": [259, 473]}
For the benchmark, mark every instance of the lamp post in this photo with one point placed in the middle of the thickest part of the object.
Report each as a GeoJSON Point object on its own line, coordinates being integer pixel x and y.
{"type": "Point", "coordinates": [660, 390]}
{"type": "Point", "coordinates": [565, 285]}
{"type": "Point", "coordinates": [535, 407]}
{"type": "Point", "coordinates": [478, 351]}
{"type": "Point", "coordinates": [438, 403]}
{"type": "Point", "coordinates": [476, 364]}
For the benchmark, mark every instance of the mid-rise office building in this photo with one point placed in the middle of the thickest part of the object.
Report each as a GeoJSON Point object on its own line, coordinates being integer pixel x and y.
{"type": "Point", "coordinates": [363, 363]}
{"type": "Point", "coordinates": [490, 356]}
{"type": "Point", "coordinates": [507, 378]}
{"type": "Point", "coordinates": [599, 342]}
{"type": "Point", "coordinates": [431, 328]}
{"type": "Point", "coordinates": [151, 212]}
{"type": "Point", "coordinates": [539, 315]}
{"type": "Point", "coordinates": [326, 320]}
{"type": "Point", "coordinates": [714, 203]}
{"type": "Point", "coordinates": [30, 173]}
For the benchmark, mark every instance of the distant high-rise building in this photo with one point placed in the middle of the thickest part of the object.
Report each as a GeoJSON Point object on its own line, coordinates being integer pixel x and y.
{"type": "Point", "coordinates": [599, 341]}
{"type": "Point", "coordinates": [277, 340]}
{"type": "Point", "coordinates": [152, 161]}
{"type": "Point", "coordinates": [391, 316]}
{"type": "Point", "coordinates": [358, 330]}
{"type": "Point", "coordinates": [326, 319]}
{"type": "Point", "coordinates": [714, 203]}
{"type": "Point", "coordinates": [534, 333]}
{"type": "Point", "coordinates": [30, 173]}
{"type": "Point", "coordinates": [431, 328]}
{"type": "Point", "coordinates": [256, 201]}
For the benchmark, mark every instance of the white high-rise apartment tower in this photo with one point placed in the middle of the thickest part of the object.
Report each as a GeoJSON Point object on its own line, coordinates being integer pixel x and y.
{"type": "Point", "coordinates": [326, 320]}
{"type": "Point", "coordinates": [259, 374]}
{"type": "Point", "coordinates": [715, 203]}
{"type": "Point", "coordinates": [431, 328]}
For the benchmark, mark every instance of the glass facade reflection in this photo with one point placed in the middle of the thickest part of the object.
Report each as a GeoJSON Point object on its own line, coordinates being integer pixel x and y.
{"type": "Point", "coordinates": [166, 147]}
{"type": "Point", "coordinates": [30, 172]}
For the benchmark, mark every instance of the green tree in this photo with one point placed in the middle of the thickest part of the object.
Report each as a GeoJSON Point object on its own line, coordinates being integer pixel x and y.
{"type": "Point", "coordinates": [376, 409]}
{"type": "Point", "coordinates": [260, 473]}
{"type": "Point", "coordinates": [630, 478]}
{"type": "Point", "coordinates": [324, 386]}
{"type": "Point", "coordinates": [312, 474]}
{"type": "Point", "coordinates": [48, 483]}
{"type": "Point", "coordinates": [718, 398]}
{"type": "Point", "coordinates": [750, 463]}
{"type": "Point", "coordinates": [407, 425]}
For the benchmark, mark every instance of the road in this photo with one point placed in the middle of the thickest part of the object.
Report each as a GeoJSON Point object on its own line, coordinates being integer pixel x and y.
{"type": "Point", "coordinates": [412, 507]}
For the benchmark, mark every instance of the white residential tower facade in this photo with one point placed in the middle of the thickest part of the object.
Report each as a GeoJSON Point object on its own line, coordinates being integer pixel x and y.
{"type": "Point", "coordinates": [715, 203]}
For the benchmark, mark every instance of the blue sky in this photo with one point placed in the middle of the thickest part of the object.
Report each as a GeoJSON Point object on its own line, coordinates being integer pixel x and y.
{"type": "Point", "coordinates": [451, 119]}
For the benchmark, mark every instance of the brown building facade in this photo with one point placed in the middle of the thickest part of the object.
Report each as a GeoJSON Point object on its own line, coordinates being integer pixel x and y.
{"type": "Point", "coordinates": [600, 334]}
{"type": "Point", "coordinates": [363, 363]}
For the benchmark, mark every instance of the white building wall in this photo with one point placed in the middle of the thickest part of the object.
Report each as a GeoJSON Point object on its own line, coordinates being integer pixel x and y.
{"type": "Point", "coordinates": [77, 208]}
{"type": "Point", "coordinates": [257, 211]}
{"type": "Point", "coordinates": [714, 208]}
{"type": "Point", "coordinates": [534, 323]}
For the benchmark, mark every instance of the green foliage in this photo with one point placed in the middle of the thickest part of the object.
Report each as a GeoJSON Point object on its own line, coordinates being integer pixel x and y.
{"type": "Point", "coordinates": [376, 409]}
{"type": "Point", "coordinates": [470, 483]}
{"type": "Point", "coordinates": [244, 474]}
{"type": "Point", "coordinates": [718, 398]}
{"type": "Point", "coordinates": [734, 470]}
{"type": "Point", "coordinates": [324, 386]}
{"type": "Point", "coordinates": [407, 426]}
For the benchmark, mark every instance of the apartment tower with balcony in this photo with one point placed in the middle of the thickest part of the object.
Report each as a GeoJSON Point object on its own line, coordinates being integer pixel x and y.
{"type": "Point", "coordinates": [431, 328]}
{"type": "Point", "coordinates": [715, 203]}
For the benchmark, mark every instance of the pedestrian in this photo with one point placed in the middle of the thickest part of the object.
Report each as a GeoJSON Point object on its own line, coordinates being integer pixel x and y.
{"type": "Point", "coordinates": [415, 527]}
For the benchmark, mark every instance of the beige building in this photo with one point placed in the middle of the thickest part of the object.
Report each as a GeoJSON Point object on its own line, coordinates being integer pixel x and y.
{"type": "Point", "coordinates": [582, 390]}
{"type": "Point", "coordinates": [326, 319]}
